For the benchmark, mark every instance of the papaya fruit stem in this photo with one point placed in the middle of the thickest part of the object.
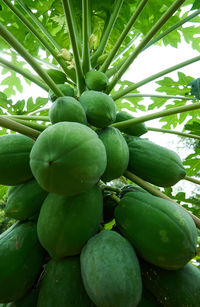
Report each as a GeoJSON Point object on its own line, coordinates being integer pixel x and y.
{"type": "Point", "coordinates": [110, 188]}
{"type": "Point", "coordinates": [157, 193]}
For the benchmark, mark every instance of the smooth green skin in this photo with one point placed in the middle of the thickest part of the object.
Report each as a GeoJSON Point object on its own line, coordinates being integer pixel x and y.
{"type": "Point", "coordinates": [135, 130]}
{"type": "Point", "coordinates": [68, 158]}
{"type": "Point", "coordinates": [14, 159]}
{"type": "Point", "coordinates": [24, 200]}
{"type": "Point", "coordinates": [67, 109]}
{"type": "Point", "coordinates": [153, 163]}
{"type": "Point", "coordinates": [100, 108]}
{"type": "Point", "coordinates": [161, 231]}
{"type": "Point", "coordinates": [117, 153]}
{"type": "Point", "coordinates": [57, 75]}
{"type": "Point", "coordinates": [96, 80]}
{"type": "Point", "coordinates": [110, 271]}
{"type": "Point", "coordinates": [180, 288]}
{"type": "Point", "coordinates": [66, 89]}
{"type": "Point", "coordinates": [29, 300]}
{"type": "Point", "coordinates": [62, 285]}
{"type": "Point", "coordinates": [21, 259]}
{"type": "Point", "coordinates": [66, 223]}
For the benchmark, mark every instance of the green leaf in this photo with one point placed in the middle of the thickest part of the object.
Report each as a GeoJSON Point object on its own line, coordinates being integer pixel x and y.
{"type": "Point", "coordinates": [195, 90]}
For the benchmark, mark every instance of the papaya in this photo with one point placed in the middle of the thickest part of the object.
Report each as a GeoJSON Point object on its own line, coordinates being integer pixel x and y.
{"type": "Point", "coordinates": [96, 80]}
{"type": "Point", "coordinates": [154, 163]}
{"type": "Point", "coordinates": [177, 288]}
{"type": "Point", "coordinates": [67, 109]}
{"type": "Point", "coordinates": [66, 223]}
{"type": "Point", "coordinates": [14, 163]}
{"type": "Point", "coordinates": [24, 200]}
{"type": "Point", "coordinates": [61, 284]}
{"type": "Point", "coordinates": [21, 260]}
{"type": "Point", "coordinates": [100, 108]}
{"type": "Point", "coordinates": [65, 88]}
{"type": "Point", "coordinates": [29, 300]}
{"type": "Point", "coordinates": [58, 76]}
{"type": "Point", "coordinates": [117, 153]}
{"type": "Point", "coordinates": [162, 232]}
{"type": "Point", "coordinates": [135, 129]}
{"type": "Point", "coordinates": [110, 271]}
{"type": "Point", "coordinates": [68, 158]}
{"type": "Point", "coordinates": [131, 188]}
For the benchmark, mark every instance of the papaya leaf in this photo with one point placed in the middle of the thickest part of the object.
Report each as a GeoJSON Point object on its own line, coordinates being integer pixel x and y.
{"type": "Point", "coordinates": [194, 127]}
{"type": "Point", "coordinates": [34, 106]}
{"type": "Point", "coordinates": [196, 5]}
{"type": "Point", "coordinates": [190, 36]}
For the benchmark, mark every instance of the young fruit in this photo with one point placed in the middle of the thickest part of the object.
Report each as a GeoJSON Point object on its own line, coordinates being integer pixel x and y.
{"type": "Point", "coordinates": [67, 109]}
{"type": "Point", "coordinates": [66, 223]}
{"type": "Point", "coordinates": [24, 200]}
{"type": "Point", "coordinates": [135, 129]}
{"type": "Point", "coordinates": [153, 163]}
{"type": "Point", "coordinates": [110, 271]}
{"type": "Point", "coordinates": [66, 89]}
{"type": "Point", "coordinates": [117, 153]}
{"type": "Point", "coordinates": [96, 80]}
{"type": "Point", "coordinates": [161, 231]}
{"type": "Point", "coordinates": [21, 259]}
{"type": "Point", "coordinates": [68, 158]}
{"type": "Point", "coordinates": [14, 163]}
{"type": "Point", "coordinates": [62, 285]}
{"type": "Point", "coordinates": [57, 75]}
{"type": "Point", "coordinates": [173, 288]}
{"type": "Point", "coordinates": [100, 108]}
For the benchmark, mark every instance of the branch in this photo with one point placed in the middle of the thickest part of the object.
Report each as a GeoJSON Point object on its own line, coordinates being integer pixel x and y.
{"type": "Point", "coordinates": [24, 73]}
{"type": "Point", "coordinates": [188, 135]}
{"type": "Point", "coordinates": [30, 124]}
{"type": "Point", "coordinates": [176, 4]}
{"type": "Point", "coordinates": [157, 193]}
{"type": "Point", "coordinates": [160, 96]}
{"type": "Point", "coordinates": [28, 117]}
{"type": "Point", "coordinates": [130, 88]}
{"type": "Point", "coordinates": [73, 39]}
{"type": "Point", "coordinates": [166, 112]}
{"type": "Point", "coordinates": [17, 127]}
{"type": "Point", "coordinates": [11, 40]}
{"type": "Point", "coordinates": [86, 49]}
{"type": "Point", "coordinates": [118, 43]}
{"type": "Point", "coordinates": [116, 8]}
{"type": "Point", "coordinates": [193, 180]}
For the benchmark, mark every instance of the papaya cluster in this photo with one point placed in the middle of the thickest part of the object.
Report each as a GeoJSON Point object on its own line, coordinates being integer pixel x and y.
{"type": "Point", "coordinates": [59, 252]}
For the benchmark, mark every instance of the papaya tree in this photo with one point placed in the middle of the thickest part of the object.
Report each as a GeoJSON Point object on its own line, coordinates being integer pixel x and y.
{"type": "Point", "coordinates": [81, 180]}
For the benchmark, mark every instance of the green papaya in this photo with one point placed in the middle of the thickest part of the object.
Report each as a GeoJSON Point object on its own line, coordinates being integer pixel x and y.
{"type": "Point", "coordinates": [29, 300]}
{"type": "Point", "coordinates": [68, 158]}
{"type": "Point", "coordinates": [135, 129]}
{"type": "Point", "coordinates": [154, 163]}
{"type": "Point", "coordinates": [162, 232]}
{"type": "Point", "coordinates": [62, 285]}
{"type": "Point", "coordinates": [67, 109]}
{"type": "Point", "coordinates": [65, 88]}
{"type": "Point", "coordinates": [110, 271]}
{"type": "Point", "coordinates": [96, 80]}
{"type": "Point", "coordinates": [178, 288]}
{"type": "Point", "coordinates": [58, 76]}
{"type": "Point", "coordinates": [21, 260]}
{"type": "Point", "coordinates": [24, 200]}
{"type": "Point", "coordinates": [66, 223]}
{"type": "Point", "coordinates": [100, 108]}
{"type": "Point", "coordinates": [14, 163]}
{"type": "Point", "coordinates": [131, 188]}
{"type": "Point", "coordinates": [117, 153]}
